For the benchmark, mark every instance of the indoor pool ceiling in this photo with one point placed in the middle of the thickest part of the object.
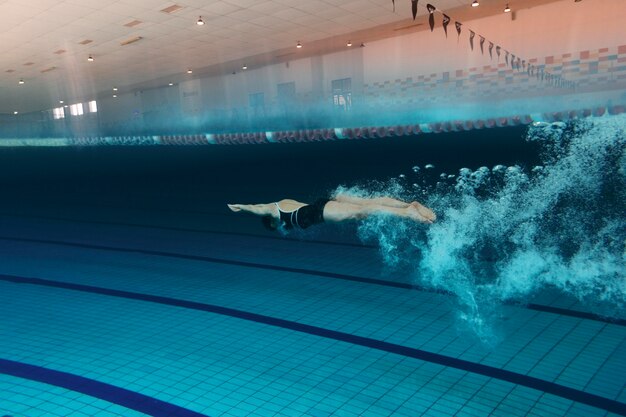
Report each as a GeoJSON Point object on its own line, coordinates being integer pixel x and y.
{"type": "Point", "coordinates": [139, 44]}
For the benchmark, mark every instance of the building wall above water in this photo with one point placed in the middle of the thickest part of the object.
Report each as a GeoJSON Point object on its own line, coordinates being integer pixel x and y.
{"type": "Point", "coordinates": [415, 77]}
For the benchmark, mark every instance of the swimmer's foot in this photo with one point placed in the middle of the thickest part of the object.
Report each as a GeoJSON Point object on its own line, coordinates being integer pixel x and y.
{"type": "Point", "coordinates": [425, 215]}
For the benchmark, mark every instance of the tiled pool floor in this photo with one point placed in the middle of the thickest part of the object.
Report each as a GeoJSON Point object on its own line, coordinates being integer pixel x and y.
{"type": "Point", "coordinates": [132, 313]}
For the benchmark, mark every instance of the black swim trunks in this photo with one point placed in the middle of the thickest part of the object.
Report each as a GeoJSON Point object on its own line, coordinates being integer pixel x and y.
{"type": "Point", "coordinates": [305, 216]}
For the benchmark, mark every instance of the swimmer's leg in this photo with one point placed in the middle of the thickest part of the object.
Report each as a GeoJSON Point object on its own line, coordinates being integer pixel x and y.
{"type": "Point", "coordinates": [378, 201]}
{"type": "Point", "coordinates": [424, 211]}
{"type": "Point", "coordinates": [336, 211]}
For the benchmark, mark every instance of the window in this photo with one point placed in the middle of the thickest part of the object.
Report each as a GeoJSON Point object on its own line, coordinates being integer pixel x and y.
{"type": "Point", "coordinates": [257, 100]}
{"type": "Point", "coordinates": [76, 109]}
{"type": "Point", "coordinates": [93, 106]}
{"type": "Point", "coordinates": [342, 93]}
{"type": "Point", "coordinates": [58, 113]}
{"type": "Point", "coordinates": [286, 92]}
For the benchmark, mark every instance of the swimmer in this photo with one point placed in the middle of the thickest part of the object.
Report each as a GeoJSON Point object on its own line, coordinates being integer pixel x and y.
{"type": "Point", "coordinates": [290, 214]}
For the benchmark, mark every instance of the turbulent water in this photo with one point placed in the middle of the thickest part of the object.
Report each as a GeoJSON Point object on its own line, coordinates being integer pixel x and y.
{"type": "Point", "coordinates": [505, 234]}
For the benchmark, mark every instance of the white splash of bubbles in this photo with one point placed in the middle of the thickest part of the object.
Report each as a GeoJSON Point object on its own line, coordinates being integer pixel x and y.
{"type": "Point", "coordinates": [509, 233]}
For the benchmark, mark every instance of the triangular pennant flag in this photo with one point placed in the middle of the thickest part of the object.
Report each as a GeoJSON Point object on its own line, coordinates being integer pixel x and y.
{"type": "Point", "coordinates": [482, 44]}
{"type": "Point", "coordinates": [431, 18]}
{"type": "Point", "coordinates": [498, 52]}
{"type": "Point", "coordinates": [458, 28]}
{"type": "Point", "coordinates": [490, 49]}
{"type": "Point", "coordinates": [472, 34]}
{"type": "Point", "coordinates": [446, 20]}
{"type": "Point", "coordinates": [414, 8]}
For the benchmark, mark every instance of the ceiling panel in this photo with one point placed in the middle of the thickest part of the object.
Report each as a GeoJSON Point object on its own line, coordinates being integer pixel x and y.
{"type": "Point", "coordinates": [238, 30]}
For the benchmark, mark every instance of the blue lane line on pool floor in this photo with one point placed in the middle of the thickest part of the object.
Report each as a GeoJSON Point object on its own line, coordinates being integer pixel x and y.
{"type": "Point", "coordinates": [345, 277]}
{"type": "Point", "coordinates": [477, 368]}
{"type": "Point", "coordinates": [107, 392]}
{"type": "Point", "coordinates": [184, 229]}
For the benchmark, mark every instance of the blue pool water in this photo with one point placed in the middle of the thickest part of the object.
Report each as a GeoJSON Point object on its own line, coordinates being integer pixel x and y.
{"type": "Point", "coordinates": [128, 288]}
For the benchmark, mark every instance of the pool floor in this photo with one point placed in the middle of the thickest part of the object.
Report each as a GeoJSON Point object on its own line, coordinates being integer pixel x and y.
{"type": "Point", "coordinates": [128, 310]}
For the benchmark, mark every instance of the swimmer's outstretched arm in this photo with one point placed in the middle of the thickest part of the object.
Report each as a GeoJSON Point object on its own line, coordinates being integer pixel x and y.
{"type": "Point", "coordinates": [258, 209]}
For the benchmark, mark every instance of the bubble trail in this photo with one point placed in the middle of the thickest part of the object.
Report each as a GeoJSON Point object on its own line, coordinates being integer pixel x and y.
{"type": "Point", "coordinates": [507, 234]}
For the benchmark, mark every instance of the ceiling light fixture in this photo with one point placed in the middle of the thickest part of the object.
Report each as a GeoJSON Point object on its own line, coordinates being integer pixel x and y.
{"type": "Point", "coordinates": [171, 84]}
{"type": "Point", "coordinates": [245, 67]}
{"type": "Point", "coordinates": [114, 95]}
{"type": "Point", "coordinates": [60, 101]}
{"type": "Point", "coordinates": [114, 88]}
{"type": "Point", "coordinates": [21, 82]}
{"type": "Point", "coordinates": [189, 71]}
{"type": "Point", "coordinates": [299, 45]}
{"type": "Point", "coordinates": [507, 9]}
{"type": "Point", "coordinates": [90, 59]}
{"type": "Point", "coordinates": [475, 3]}
{"type": "Point", "coordinates": [200, 22]}
{"type": "Point", "coordinates": [15, 112]}
{"type": "Point", "coordinates": [349, 43]}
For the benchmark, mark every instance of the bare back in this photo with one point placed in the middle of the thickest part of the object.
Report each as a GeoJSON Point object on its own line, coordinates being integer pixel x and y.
{"type": "Point", "coordinates": [290, 205]}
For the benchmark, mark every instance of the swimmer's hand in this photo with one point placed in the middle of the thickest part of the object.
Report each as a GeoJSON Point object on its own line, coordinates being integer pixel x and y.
{"type": "Point", "coordinates": [234, 207]}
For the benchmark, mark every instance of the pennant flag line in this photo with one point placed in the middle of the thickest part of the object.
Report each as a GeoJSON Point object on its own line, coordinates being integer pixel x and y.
{"type": "Point", "coordinates": [431, 17]}
{"type": "Point", "coordinates": [446, 20]}
{"type": "Point", "coordinates": [516, 62]}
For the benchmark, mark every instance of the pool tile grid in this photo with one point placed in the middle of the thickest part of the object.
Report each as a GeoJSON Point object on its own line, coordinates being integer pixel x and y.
{"type": "Point", "coordinates": [326, 378]}
{"type": "Point", "coordinates": [424, 336]}
{"type": "Point", "coordinates": [365, 262]}
{"type": "Point", "coordinates": [224, 374]}
{"type": "Point", "coordinates": [360, 301]}
{"type": "Point", "coordinates": [287, 252]}
{"type": "Point", "coordinates": [24, 398]}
